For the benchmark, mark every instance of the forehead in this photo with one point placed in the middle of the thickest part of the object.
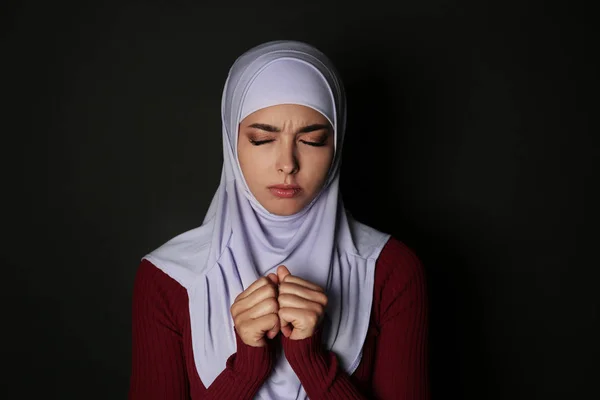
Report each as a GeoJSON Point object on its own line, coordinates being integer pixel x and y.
{"type": "Point", "coordinates": [282, 113]}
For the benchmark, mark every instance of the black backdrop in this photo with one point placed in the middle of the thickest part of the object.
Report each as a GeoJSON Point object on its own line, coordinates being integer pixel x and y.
{"type": "Point", "coordinates": [473, 137]}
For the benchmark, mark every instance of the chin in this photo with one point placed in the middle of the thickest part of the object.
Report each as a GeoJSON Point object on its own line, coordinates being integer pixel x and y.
{"type": "Point", "coordinates": [279, 207]}
{"type": "Point", "coordinates": [284, 211]}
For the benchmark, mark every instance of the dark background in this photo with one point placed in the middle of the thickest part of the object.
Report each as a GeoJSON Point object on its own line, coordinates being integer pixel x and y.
{"type": "Point", "coordinates": [473, 137]}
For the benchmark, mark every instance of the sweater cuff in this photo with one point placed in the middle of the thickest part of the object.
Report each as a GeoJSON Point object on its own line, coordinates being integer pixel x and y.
{"type": "Point", "coordinates": [306, 355]}
{"type": "Point", "coordinates": [252, 364]}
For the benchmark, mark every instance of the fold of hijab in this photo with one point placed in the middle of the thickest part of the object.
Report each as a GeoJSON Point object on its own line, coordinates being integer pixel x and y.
{"type": "Point", "coordinates": [240, 241]}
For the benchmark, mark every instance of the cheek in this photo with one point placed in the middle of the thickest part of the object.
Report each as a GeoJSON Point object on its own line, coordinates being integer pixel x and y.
{"type": "Point", "coordinates": [251, 163]}
{"type": "Point", "coordinates": [319, 166]}
{"type": "Point", "coordinates": [244, 157]}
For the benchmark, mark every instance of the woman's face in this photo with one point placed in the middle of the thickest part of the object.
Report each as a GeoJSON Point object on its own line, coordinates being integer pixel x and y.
{"type": "Point", "coordinates": [285, 152]}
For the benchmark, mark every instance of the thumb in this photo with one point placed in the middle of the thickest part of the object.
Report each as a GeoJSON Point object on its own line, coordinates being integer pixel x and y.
{"type": "Point", "coordinates": [282, 272]}
{"type": "Point", "coordinates": [273, 278]}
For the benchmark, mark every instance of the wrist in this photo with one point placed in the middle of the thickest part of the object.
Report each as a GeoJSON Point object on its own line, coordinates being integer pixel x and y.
{"type": "Point", "coordinates": [302, 350]}
{"type": "Point", "coordinates": [249, 362]}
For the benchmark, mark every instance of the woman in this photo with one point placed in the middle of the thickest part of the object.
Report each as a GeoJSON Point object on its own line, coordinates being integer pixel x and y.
{"type": "Point", "coordinates": [280, 294]}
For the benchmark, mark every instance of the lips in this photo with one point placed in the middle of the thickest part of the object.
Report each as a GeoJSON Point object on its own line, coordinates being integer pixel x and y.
{"type": "Point", "coordinates": [285, 191]}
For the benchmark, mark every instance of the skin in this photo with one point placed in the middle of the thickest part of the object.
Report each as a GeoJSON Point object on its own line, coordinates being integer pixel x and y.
{"type": "Point", "coordinates": [255, 312]}
{"type": "Point", "coordinates": [278, 303]}
{"type": "Point", "coordinates": [279, 145]}
{"type": "Point", "coordinates": [301, 305]}
{"type": "Point", "coordinates": [276, 146]}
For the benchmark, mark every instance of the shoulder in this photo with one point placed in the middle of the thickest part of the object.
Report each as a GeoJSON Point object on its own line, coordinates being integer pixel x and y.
{"type": "Point", "coordinates": [150, 276]}
{"type": "Point", "coordinates": [185, 256]}
{"type": "Point", "coordinates": [399, 282]}
{"type": "Point", "coordinates": [395, 253]}
{"type": "Point", "coordinates": [157, 292]}
{"type": "Point", "coordinates": [397, 266]}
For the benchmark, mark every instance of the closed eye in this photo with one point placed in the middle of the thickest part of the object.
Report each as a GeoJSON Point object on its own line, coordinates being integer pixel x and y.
{"type": "Point", "coordinates": [314, 144]}
{"type": "Point", "coordinates": [260, 142]}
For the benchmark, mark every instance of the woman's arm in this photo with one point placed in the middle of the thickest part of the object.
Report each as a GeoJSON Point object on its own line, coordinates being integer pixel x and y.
{"type": "Point", "coordinates": [160, 311]}
{"type": "Point", "coordinates": [400, 361]}
{"type": "Point", "coordinates": [400, 367]}
{"type": "Point", "coordinates": [319, 370]}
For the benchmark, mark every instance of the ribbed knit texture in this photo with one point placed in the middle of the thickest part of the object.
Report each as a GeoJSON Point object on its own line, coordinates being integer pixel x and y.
{"type": "Point", "coordinates": [393, 365]}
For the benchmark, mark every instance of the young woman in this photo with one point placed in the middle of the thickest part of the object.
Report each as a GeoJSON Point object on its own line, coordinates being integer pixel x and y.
{"type": "Point", "coordinates": [280, 294]}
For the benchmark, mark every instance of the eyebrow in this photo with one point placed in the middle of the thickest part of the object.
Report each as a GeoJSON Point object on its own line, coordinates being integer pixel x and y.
{"type": "Point", "coordinates": [306, 129]}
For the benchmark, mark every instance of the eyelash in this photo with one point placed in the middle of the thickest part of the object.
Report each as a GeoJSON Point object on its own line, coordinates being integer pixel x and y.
{"type": "Point", "coordinates": [314, 144]}
{"type": "Point", "coordinates": [261, 142]}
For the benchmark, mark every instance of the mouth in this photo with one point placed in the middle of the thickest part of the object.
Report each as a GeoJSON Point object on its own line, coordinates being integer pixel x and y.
{"type": "Point", "coordinates": [285, 191]}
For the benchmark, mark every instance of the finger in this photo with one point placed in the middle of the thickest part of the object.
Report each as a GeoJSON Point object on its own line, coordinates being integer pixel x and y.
{"type": "Point", "coordinates": [260, 282]}
{"type": "Point", "coordinates": [274, 331]}
{"type": "Point", "coordinates": [299, 318]}
{"type": "Point", "coordinates": [259, 295]}
{"type": "Point", "coordinates": [285, 326]}
{"type": "Point", "coordinates": [265, 307]}
{"type": "Point", "coordinates": [273, 278]}
{"type": "Point", "coordinates": [282, 272]}
{"type": "Point", "coordinates": [287, 330]}
{"type": "Point", "coordinates": [293, 301]}
{"type": "Point", "coordinates": [266, 323]}
{"type": "Point", "coordinates": [256, 328]}
{"type": "Point", "coordinates": [302, 291]}
{"type": "Point", "coordinates": [301, 282]}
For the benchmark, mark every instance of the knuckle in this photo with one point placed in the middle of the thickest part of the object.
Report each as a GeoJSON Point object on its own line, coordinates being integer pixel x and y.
{"type": "Point", "coordinates": [283, 286]}
{"type": "Point", "coordinates": [283, 296]}
{"type": "Point", "coordinates": [271, 291]}
{"type": "Point", "coordinates": [259, 291]}
{"type": "Point", "coordinates": [272, 305]}
{"type": "Point", "coordinates": [263, 280]}
{"type": "Point", "coordinates": [283, 299]}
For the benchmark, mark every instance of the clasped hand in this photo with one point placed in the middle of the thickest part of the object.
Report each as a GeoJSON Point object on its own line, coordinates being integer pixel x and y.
{"type": "Point", "coordinates": [275, 303]}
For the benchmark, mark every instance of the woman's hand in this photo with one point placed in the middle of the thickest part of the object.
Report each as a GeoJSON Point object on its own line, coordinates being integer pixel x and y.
{"type": "Point", "coordinates": [254, 312]}
{"type": "Point", "coordinates": [301, 305]}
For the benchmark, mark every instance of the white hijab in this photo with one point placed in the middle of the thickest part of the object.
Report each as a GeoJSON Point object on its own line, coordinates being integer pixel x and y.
{"type": "Point", "coordinates": [239, 240]}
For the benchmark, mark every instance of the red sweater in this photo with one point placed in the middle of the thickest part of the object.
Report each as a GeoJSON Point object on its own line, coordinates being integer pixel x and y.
{"type": "Point", "coordinates": [393, 365]}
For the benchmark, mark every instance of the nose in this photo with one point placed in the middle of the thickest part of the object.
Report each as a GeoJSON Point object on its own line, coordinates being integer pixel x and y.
{"type": "Point", "coordinates": [287, 162]}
